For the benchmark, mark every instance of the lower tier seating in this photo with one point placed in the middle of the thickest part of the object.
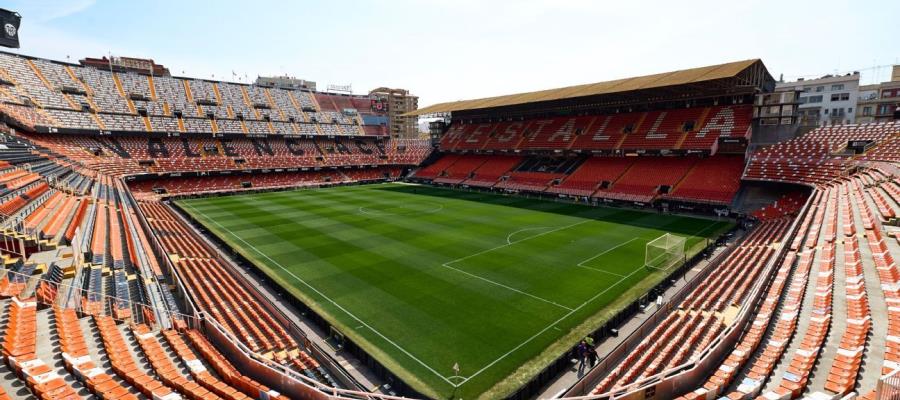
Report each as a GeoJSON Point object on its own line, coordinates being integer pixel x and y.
{"type": "Point", "coordinates": [133, 155]}
{"type": "Point", "coordinates": [146, 188]}
{"type": "Point", "coordinates": [712, 180]}
{"type": "Point", "coordinates": [813, 334]}
{"type": "Point", "coordinates": [699, 318]}
{"type": "Point", "coordinates": [228, 300]}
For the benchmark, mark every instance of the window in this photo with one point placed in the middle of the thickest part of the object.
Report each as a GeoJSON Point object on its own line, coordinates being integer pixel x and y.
{"type": "Point", "coordinates": [826, 111]}
{"type": "Point", "coordinates": [814, 99]}
{"type": "Point", "coordinates": [837, 87]}
{"type": "Point", "coordinates": [840, 96]}
{"type": "Point", "coordinates": [803, 100]}
{"type": "Point", "coordinates": [820, 89]}
{"type": "Point", "coordinates": [849, 110]}
{"type": "Point", "coordinates": [867, 111]}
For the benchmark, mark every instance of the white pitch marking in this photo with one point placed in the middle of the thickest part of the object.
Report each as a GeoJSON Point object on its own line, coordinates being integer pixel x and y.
{"type": "Point", "coordinates": [539, 298]}
{"type": "Point", "coordinates": [447, 264]}
{"type": "Point", "coordinates": [327, 298]}
{"type": "Point", "coordinates": [552, 324]}
{"type": "Point", "coordinates": [567, 315]}
{"type": "Point", "coordinates": [517, 241]}
{"type": "Point", "coordinates": [581, 264]}
{"type": "Point", "coordinates": [534, 228]}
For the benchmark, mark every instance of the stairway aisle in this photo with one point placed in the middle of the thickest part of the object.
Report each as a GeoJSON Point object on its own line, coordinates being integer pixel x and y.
{"type": "Point", "coordinates": [819, 374]}
{"type": "Point", "coordinates": [48, 351]}
{"type": "Point", "coordinates": [873, 357]}
{"type": "Point", "coordinates": [805, 309]}
{"type": "Point", "coordinates": [94, 343]}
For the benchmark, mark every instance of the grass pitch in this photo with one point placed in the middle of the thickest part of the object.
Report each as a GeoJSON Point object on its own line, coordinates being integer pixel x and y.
{"type": "Point", "coordinates": [424, 278]}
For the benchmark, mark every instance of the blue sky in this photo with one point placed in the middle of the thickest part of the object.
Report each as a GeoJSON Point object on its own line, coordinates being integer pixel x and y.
{"type": "Point", "coordinates": [446, 50]}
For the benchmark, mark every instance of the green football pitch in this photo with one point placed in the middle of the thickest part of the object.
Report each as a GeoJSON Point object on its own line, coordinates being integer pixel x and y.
{"type": "Point", "coordinates": [426, 278]}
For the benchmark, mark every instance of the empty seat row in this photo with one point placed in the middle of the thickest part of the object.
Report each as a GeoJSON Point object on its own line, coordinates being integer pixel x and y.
{"type": "Point", "coordinates": [690, 129]}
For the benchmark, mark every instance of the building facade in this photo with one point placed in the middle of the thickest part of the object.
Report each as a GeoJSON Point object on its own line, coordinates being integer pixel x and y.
{"type": "Point", "coordinates": [285, 82]}
{"type": "Point", "coordinates": [830, 100]}
{"type": "Point", "coordinates": [399, 102]}
{"type": "Point", "coordinates": [880, 102]}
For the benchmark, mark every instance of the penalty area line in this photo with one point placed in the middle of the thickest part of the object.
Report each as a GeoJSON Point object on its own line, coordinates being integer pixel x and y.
{"type": "Point", "coordinates": [581, 264]}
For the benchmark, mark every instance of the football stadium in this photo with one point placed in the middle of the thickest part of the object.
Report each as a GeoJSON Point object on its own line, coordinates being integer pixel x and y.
{"type": "Point", "coordinates": [706, 232]}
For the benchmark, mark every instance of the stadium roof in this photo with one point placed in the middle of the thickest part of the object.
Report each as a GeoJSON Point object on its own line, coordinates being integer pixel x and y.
{"type": "Point", "coordinates": [661, 80]}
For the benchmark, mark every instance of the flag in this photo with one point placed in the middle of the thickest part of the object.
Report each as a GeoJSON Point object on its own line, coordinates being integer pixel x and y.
{"type": "Point", "coordinates": [10, 35]}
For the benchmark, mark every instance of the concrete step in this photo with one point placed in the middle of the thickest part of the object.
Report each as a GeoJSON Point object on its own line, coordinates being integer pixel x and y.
{"type": "Point", "coordinates": [94, 343]}
{"type": "Point", "coordinates": [819, 375]}
{"type": "Point", "coordinates": [49, 351]}
{"type": "Point", "coordinates": [135, 349]}
{"type": "Point", "coordinates": [803, 319]}
{"type": "Point", "coordinates": [173, 356]}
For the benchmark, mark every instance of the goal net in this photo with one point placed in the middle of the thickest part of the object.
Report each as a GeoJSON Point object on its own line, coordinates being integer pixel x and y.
{"type": "Point", "coordinates": [664, 251]}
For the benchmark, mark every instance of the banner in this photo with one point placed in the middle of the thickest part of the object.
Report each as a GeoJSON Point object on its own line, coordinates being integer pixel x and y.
{"type": "Point", "coordinates": [10, 35]}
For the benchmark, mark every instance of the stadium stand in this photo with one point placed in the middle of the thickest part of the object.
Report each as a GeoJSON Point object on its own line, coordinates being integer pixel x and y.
{"type": "Point", "coordinates": [134, 155]}
{"type": "Point", "coordinates": [129, 102]}
{"type": "Point", "coordinates": [145, 188]}
{"type": "Point", "coordinates": [712, 179]}
{"type": "Point", "coordinates": [645, 180]}
{"type": "Point", "coordinates": [594, 173]}
{"type": "Point", "coordinates": [687, 129]}
{"type": "Point", "coordinates": [828, 272]}
{"type": "Point", "coordinates": [94, 256]}
{"type": "Point", "coordinates": [701, 316]}
{"type": "Point", "coordinates": [819, 155]}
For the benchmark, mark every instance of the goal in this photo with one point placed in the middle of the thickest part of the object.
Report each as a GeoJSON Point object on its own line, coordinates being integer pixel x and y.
{"type": "Point", "coordinates": [664, 251]}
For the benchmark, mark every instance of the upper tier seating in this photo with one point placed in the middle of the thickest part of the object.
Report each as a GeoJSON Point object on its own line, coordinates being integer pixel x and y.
{"type": "Point", "coordinates": [688, 129]}
{"type": "Point", "coordinates": [63, 91]}
{"type": "Point", "coordinates": [817, 156]}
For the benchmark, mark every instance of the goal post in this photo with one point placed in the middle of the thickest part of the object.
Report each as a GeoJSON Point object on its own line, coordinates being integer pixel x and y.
{"type": "Point", "coordinates": [664, 251]}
